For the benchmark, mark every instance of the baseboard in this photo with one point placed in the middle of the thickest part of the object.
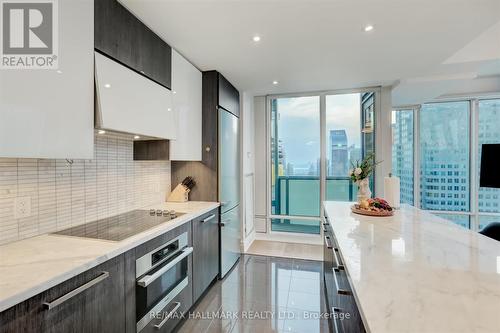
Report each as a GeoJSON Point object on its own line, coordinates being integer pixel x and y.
{"type": "Point", "coordinates": [247, 242]}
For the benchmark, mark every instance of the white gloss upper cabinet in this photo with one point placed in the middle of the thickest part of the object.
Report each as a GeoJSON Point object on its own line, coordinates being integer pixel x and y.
{"type": "Point", "coordinates": [131, 103]}
{"type": "Point", "coordinates": [48, 113]}
{"type": "Point", "coordinates": [186, 101]}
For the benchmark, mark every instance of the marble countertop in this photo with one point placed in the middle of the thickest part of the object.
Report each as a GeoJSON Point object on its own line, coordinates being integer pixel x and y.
{"type": "Point", "coordinates": [31, 266]}
{"type": "Point", "coordinates": [415, 272]}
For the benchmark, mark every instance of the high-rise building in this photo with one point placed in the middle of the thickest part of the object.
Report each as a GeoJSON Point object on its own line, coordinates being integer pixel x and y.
{"type": "Point", "coordinates": [279, 155]}
{"type": "Point", "coordinates": [489, 132]}
{"type": "Point", "coordinates": [444, 157]}
{"type": "Point", "coordinates": [339, 153]}
{"type": "Point", "coordinates": [354, 154]}
{"type": "Point", "coordinates": [444, 185]}
{"type": "Point", "coordinates": [367, 106]}
{"type": "Point", "coordinates": [402, 152]}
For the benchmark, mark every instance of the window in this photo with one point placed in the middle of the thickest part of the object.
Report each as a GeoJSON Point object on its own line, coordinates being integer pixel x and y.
{"type": "Point", "coordinates": [447, 159]}
{"type": "Point", "coordinates": [488, 132]}
{"type": "Point", "coordinates": [485, 220]}
{"type": "Point", "coordinates": [343, 144]}
{"type": "Point", "coordinates": [402, 152]}
{"type": "Point", "coordinates": [444, 154]}
{"type": "Point", "coordinates": [461, 220]}
{"type": "Point", "coordinates": [302, 176]}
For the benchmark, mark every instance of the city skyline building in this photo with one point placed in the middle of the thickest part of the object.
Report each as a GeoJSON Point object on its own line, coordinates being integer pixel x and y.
{"type": "Point", "coordinates": [444, 156]}
{"type": "Point", "coordinates": [488, 132]}
{"type": "Point", "coordinates": [339, 163]}
{"type": "Point", "coordinates": [402, 153]}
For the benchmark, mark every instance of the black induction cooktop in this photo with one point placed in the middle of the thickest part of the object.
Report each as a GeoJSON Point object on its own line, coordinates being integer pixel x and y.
{"type": "Point", "coordinates": [120, 227]}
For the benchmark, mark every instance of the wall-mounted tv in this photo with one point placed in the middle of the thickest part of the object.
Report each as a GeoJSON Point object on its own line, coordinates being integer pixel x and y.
{"type": "Point", "coordinates": [490, 167]}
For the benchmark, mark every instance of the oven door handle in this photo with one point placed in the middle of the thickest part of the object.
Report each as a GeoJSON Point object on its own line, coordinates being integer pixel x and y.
{"type": "Point", "coordinates": [148, 279]}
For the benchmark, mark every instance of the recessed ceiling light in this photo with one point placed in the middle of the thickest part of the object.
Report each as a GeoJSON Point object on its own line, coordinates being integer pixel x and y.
{"type": "Point", "coordinates": [59, 71]}
{"type": "Point", "coordinates": [136, 137]}
{"type": "Point", "coordinates": [275, 82]}
{"type": "Point", "coordinates": [174, 92]}
{"type": "Point", "coordinates": [169, 109]}
{"type": "Point", "coordinates": [107, 85]}
{"type": "Point", "coordinates": [102, 132]}
{"type": "Point", "coordinates": [368, 28]}
{"type": "Point", "coordinates": [256, 38]}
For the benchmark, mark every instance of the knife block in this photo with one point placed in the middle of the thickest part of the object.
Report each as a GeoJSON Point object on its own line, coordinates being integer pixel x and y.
{"type": "Point", "coordinates": [179, 194]}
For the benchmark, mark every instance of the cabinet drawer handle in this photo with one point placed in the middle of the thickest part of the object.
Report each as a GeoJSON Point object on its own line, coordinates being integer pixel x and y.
{"type": "Point", "coordinates": [337, 261]}
{"type": "Point", "coordinates": [336, 327]}
{"type": "Point", "coordinates": [339, 291]}
{"type": "Point", "coordinates": [168, 316]}
{"type": "Point", "coordinates": [74, 292]}
{"type": "Point", "coordinates": [211, 217]}
{"type": "Point", "coordinates": [327, 242]}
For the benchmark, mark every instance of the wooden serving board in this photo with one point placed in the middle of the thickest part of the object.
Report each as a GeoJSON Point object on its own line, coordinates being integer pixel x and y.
{"type": "Point", "coordinates": [382, 213]}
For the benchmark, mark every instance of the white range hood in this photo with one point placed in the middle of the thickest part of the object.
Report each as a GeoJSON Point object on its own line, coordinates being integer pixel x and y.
{"type": "Point", "coordinates": [129, 102]}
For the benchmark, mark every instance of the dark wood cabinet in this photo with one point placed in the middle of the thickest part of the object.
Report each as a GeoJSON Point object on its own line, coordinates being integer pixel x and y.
{"type": "Point", "coordinates": [103, 299]}
{"type": "Point", "coordinates": [206, 252]}
{"type": "Point", "coordinates": [151, 150]}
{"type": "Point", "coordinates": [229, 97]}
{"type": "Point", "coordinates": [98, 307]}
{"type": "Point", "coordinates": [121, 36]}
{"type": "Point", "coordinates": [210, 116]}
{"type": "Point", "coordinates": [339, 295]}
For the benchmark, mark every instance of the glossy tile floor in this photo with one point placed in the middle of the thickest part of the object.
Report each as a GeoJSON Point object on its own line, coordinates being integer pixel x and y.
{"type": "Point", "coordinates": [286, 250]}
{"type": "Point", "coordinates": [263, 294]}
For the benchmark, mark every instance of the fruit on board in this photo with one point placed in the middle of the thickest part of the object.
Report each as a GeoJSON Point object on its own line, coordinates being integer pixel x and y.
{"type": "Point", "coordinates": [364, 204]}
{"type": "Point", "coordinates": [379, 203]}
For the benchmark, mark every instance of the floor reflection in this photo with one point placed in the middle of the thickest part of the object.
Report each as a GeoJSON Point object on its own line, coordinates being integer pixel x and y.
{"type": "Point", "coordinates": [263, 294]}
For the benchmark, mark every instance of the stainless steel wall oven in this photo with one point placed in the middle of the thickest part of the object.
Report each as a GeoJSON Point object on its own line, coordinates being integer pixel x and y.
{"type": "Point", "coordinates": [161, 275]}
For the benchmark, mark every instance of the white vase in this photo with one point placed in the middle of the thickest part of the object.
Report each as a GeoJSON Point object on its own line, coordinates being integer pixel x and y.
{"type": "Point", "coordinates": [364, 191]}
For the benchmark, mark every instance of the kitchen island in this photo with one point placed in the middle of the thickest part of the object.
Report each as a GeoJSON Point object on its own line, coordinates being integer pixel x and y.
{"type": "Point", "coordinates": [415, 272]}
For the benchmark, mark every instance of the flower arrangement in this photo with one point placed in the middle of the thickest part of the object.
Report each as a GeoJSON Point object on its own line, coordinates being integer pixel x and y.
{"type": "Point", "coordinates": [362, 170]}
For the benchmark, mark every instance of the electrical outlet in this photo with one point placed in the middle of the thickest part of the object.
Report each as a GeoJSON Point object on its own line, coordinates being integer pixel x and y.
{"type": "Point", "coordinates": [22, 207]}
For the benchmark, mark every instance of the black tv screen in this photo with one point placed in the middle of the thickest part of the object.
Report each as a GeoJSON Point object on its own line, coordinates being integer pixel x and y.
{"type": "Point", "coordinates": [490, 158]}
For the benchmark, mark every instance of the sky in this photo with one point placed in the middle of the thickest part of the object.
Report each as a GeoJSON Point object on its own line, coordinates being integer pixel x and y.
{"type": "Point", "coordinates": [299, 124]}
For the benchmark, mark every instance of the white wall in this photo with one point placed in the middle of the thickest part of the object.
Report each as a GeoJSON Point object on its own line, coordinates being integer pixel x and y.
{"type": "Point", "coordinates": [248, 168]}
{"type": "Point", "coordinates": [260, 164]}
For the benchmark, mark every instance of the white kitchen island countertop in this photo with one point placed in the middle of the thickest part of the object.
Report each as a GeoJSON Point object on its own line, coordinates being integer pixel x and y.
{"type": "Point", "coordinates": [415, 272]}
{"type": "Point", "coordinates": [31, 266]}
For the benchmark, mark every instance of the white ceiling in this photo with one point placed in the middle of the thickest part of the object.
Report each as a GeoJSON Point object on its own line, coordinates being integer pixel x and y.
{"type": "Point", "coordinates": [320, 45]}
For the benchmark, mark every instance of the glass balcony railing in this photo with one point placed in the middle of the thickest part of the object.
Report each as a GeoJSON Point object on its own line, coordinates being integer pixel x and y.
{"type": "Point", "coordinates": [300, 195]}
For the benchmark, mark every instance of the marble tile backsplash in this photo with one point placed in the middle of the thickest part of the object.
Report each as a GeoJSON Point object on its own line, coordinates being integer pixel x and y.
{"type": "Point", "coordinates": [65, 194]}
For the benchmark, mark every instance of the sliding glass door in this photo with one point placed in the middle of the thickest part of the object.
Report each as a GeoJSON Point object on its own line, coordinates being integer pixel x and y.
{"type": "Point", "coordinates": [314, 141]}
{"type": "Point", "coordinates": [295, 163]}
